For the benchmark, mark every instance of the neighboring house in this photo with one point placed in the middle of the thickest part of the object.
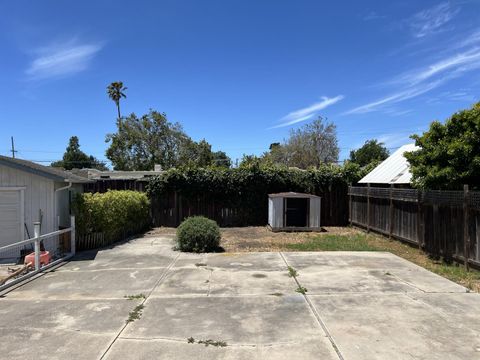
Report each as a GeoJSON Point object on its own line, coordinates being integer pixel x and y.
{"type": "Point", "coordinates": [30, 193]}
{"type": "Point", "coordinates": [102, 181]}
{"type": "Point", "coordinates": [393, 171]}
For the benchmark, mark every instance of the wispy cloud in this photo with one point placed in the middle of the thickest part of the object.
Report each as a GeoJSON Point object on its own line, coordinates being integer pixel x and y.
{"type": "Point", "coordinates": [61, 60]}
{"type": "Point", "coordinates": [433, 20]}
{"type": "Point", "coordinates": [308, 112]}
{"type": "Point", "coordinates": [423, 80]}
{"type": "Point", "coordinates": [372, 15]}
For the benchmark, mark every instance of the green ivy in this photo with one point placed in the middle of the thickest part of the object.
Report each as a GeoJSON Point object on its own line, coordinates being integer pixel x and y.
{"type": "Point", "coordinates": [247, 188]}
{"type": "Point", "coordinates": [115, 213]}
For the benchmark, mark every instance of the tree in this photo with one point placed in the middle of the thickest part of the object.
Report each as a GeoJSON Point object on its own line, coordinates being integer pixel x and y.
{"type": "Point", "coordinates": [140, 143]}
{"type": "Point", "coordinates": [116, 91]}
{"type": "Point", "coordinates": [221, 159]}
{"type": "Point", "coordinates": [312, 145]}
{"type": "Point", "coordinates": [74, 158]}
{"type": "Point", "coordinates": [371, 151]}
{"type": "Point", "coordinates": [449, 154]}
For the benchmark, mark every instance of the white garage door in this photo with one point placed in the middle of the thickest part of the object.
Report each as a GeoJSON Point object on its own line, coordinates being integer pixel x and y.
{"type": "Point", "coordinates": [10, 217]}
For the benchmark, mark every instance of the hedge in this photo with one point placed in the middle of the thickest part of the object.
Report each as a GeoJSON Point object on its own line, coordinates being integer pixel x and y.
{"type": "Point", "coordinates": [114, 213]}
{"type": "Point", "coordinates": [246, 189]}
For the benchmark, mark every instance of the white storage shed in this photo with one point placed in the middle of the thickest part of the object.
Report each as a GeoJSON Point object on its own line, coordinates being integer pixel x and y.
{"type": "Point", "coordinates": [290, 211]}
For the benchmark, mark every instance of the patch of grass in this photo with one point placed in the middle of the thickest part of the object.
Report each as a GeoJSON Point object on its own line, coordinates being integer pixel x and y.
{"type": "Point", "coordinates": [208, 342]}
{"type": "Point", "coordinates": [135, 314]}
{"type": "Point", "coordinates": [200, 264]}
{"type": "Point", "coordinates": [356, 242]}
{"type": "Point", "coordinates": [301, 290]}
{"type": "Point", "coordinates": [135, 297]}
{"type": "Point", "coordinates": [292, 272]}
{"type": "Point", "coordinates": [360, 241]}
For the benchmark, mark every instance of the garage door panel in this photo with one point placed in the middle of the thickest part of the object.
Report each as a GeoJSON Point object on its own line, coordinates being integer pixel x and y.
{"type": "Point", "coordinates": [10, 217]}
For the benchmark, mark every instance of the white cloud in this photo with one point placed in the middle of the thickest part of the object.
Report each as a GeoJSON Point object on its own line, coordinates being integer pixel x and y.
{"type": "Point", "coordinates": [307, 112]}
{"type": "Point", "coordinates": [431, 20]}
{"type": "Point", "coordinates": [61, 60]}
{"type": "Point", "coordinates": [372, 15]}
{"type": "Point", "coordinates": [421, 81]}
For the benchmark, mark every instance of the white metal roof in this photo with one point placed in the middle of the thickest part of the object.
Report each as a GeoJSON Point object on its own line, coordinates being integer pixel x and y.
{"type": "Point", "coordinates": [393, 170]}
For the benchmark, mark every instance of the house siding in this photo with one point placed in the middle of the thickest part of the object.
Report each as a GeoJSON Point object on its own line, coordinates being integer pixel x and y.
{"type": "Point", "coordinates": [39, 194]}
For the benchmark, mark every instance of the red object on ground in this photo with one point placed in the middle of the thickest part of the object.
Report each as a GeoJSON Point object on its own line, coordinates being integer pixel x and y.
{"type": "Point", "coordinates": [44, 258]}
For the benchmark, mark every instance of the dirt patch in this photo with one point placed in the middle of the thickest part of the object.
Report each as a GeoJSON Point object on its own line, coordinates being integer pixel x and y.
{"type": "Point", "coordinates": [258, 238]}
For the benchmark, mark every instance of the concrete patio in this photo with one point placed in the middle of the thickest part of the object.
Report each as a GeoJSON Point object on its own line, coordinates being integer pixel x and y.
{"type": "Point", "coordinates": [358, 306]}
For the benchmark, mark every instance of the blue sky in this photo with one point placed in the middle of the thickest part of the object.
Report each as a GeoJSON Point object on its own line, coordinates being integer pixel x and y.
{"type": "Point", "coordinates": [240, 74]}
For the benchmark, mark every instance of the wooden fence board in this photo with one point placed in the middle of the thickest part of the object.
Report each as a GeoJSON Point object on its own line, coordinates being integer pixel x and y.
{"type": "Point", "coordinates": [433, 220]}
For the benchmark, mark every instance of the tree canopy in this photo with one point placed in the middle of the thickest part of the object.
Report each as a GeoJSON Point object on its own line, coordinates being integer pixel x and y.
{"type": "Point", "coordinates": [142, 142]}
{"type": "Point", "coordinates": [74, 158]}
{"type": "Point", "coordinates": [371, 151]}
{"type": "Point", "coordinates": [312, 145]}
{"type": "Point", "coordinates": [116, 91]}
{"type": "Point", "coordinates": [449, 154]}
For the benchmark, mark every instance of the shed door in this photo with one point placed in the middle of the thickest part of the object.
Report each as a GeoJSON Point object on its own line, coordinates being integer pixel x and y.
{"type": "Point", "coordinates": [11, 222]}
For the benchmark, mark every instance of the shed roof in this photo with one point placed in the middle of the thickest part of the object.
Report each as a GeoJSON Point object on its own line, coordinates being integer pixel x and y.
{"type": "Point", "coordinates": [394, 170]}
{"type": "Point", "coordinates": [292, 195]}
{"type": "Point", "coordinates": [41, 170]}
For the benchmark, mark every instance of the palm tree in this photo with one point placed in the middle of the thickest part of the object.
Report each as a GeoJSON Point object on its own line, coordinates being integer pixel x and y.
{"type": "Point", "coordinates": [116, 91]}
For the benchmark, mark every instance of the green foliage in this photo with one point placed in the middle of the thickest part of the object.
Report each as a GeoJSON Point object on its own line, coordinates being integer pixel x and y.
{"type": "Point", "coordinates": [198, 234]}
{"type": "Point", "coordinates": [142, 142]}
{"type": "Point", "coordinates": [74, 158]}
{"type": "Point", "coordinates": [115, 213]}
{"type": "Point", "coordinates": [449, 154]}
{"type": "Point", "coordinates": [312, 145]}
{"type": "Point", "coordinates": [292, 272]}
{"type": "Point", "coordinates": [248, 187]}
{"type": "Point", "coordinates": [371, 151]}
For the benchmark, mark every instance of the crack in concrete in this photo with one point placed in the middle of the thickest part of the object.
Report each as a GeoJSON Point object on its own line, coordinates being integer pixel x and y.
{"type": "Point", "coordinates": [159, 281]}
{"type": "Point", "coordinates": [183, 340]}
{"type": "Point", "coordinates": [316, 314]}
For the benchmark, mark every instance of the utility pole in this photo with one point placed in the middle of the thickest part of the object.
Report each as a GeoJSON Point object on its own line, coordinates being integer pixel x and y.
{"type": "Point", "coordinates": [13, 149]}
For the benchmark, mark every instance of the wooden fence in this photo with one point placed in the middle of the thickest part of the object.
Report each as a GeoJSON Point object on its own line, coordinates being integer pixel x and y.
{"type": "Point", "coordinates": [443, 223]}
{"type": "Point", "coordinates": [171, 209]}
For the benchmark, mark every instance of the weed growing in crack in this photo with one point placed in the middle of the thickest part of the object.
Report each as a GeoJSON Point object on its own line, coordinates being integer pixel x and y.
{"type": "Point", "coordinates": [292, 272]}
{"type": "Point", "coordinates": [388, 274]}
{"type": "Point", "coordinates": [200, 264]}
{"type": "Point", "coordinates": [135, 297]}
{"type": "Point", "coordinates": [208, 342]}
{"type": "Point", "coordinates": [276, 294]}
{"type": "Point", "coordinates": [301, 290]}
{"type": "Point", "coordinates": [135, 314]}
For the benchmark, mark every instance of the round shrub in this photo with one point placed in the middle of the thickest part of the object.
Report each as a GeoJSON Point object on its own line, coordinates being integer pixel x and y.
{"type": "Point", "coordinates": [198, 234]}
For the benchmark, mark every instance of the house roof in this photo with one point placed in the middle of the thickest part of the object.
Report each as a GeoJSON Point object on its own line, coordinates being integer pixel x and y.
{"type": "Point", "coordinates": [394, 170]}
{"type": "Point", "coordinates": [292, 195]}
{"type": "Point", "coordinates": [94, 174]}
{"type": "Point", "coordinates": [41, 170]}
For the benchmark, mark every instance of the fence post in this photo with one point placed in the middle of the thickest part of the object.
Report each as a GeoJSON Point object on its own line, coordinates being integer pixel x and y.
{"type": "Point", "coordinates": [36, 234]}
{"type": "Point", "coordinates": [390, 219]}
{"type": "Point", "coordinates": [350, 204]}
{"type": "Point", "coordinates": [368, 207]}
{"type": "Point", "coordinates": [420, 221]}
{"type": "Point", "coordinates": [466, 237]}
{"type": "Point", "coordinates": [72, 235]}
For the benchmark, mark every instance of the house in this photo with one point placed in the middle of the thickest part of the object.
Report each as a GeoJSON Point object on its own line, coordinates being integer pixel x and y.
{"type": "Point", "coordinates": [30, 193]}
{"type": "Point", "coordinates": [393, 171]}
{"type": "Point", "coordinates": [102, 181]}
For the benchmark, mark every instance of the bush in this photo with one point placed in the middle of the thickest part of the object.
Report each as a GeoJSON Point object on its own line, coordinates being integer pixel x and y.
{"type": "Point", "coordinates": [198, 234]}
{"type": "Point", "coordinates": [116, 214]}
